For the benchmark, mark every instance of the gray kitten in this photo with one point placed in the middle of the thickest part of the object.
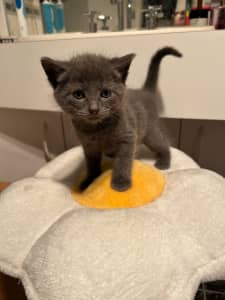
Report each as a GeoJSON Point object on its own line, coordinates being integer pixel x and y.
{"type": "Point", "coordinates": [110, 119]}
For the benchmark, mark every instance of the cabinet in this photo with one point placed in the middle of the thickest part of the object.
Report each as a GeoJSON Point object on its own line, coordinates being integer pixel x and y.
{"type": "Point", "coordinates": [21, 141]}
{"type": "Point", "coordinates": [204, 140]}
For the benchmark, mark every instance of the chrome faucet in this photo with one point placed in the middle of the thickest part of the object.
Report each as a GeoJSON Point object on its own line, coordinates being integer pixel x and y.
{"type": "Point", "coordinates": [152, 15]}
{"type": "Point", "coordinates": [104, 19]}
{"type": "Point", "coordinates": [130, 13]}
{"type": "Point", "coordinates": [92, 26]}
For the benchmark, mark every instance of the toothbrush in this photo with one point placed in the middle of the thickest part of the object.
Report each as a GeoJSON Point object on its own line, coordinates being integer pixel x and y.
{"type": "Point", "coordinates": [21, 17]}
{"type": "Point", "coordinates": [4, 32]}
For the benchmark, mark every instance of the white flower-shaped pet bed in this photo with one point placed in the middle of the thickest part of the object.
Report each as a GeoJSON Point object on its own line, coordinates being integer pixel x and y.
{"type": "Point", "coordinates": [163, 250]}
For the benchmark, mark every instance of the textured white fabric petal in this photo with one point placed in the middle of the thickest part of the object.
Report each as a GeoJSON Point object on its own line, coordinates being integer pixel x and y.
{"type": "Point", "coordinates": [160, 251]}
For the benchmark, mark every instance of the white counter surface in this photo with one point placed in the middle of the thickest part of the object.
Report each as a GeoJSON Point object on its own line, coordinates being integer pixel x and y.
{"type": "Point", "coordinates": [193, 87]}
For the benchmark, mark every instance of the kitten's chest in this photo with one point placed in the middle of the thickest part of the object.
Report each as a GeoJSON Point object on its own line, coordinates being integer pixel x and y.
{"type": "Point", "coordinates": [107, 143]}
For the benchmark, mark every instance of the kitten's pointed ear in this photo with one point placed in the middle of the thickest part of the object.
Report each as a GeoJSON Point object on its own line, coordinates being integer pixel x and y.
{"type": "Point", "coordinates": [53, 69]}
{"type": "Point", "coordinates": [122, 64]}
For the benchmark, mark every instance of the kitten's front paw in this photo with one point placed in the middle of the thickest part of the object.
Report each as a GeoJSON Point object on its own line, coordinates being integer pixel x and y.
{"type": "Point", "coordinates": [85, 183]}
{"type": "Point", "coordinates": [162, 163]}
{"type": "Point", "coordinates": [121, 184]}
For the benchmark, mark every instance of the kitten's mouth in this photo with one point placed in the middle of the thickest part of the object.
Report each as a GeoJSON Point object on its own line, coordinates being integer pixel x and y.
{"type": "Point", "coordinates": [97, 116]}
{"type": "Point", "coordinates": [93, 117]}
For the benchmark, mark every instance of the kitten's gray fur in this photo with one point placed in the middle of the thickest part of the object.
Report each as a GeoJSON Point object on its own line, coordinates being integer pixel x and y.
{"type": "Point", "coordinates": [108, 118]}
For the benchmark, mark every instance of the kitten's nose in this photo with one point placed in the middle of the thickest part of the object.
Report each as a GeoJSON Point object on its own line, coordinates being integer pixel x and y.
{"type": "Point", "coordinates": [93, 108]}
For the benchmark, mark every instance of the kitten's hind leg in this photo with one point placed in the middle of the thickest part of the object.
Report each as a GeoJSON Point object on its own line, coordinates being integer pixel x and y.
{"type": "Point", "coordinates": [156, 141]}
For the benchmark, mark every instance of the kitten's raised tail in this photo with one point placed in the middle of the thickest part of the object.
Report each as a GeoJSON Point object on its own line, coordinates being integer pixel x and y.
{"type": "Point", "coordinates": [153, 71]}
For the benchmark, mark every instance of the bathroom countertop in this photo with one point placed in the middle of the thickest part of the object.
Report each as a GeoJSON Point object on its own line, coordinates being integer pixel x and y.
{"type": "Point", "coordinates": [192, 87]}
{"type": "Point", "coordinates": [79, 35]}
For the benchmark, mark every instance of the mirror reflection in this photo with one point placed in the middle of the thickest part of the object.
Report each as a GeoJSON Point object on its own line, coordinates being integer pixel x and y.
{"type": "Point", "coordinates": [35, 17]}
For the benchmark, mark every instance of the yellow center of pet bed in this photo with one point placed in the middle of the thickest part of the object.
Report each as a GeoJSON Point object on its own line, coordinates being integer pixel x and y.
{"type": "Point", "coordinates": [147, 184]}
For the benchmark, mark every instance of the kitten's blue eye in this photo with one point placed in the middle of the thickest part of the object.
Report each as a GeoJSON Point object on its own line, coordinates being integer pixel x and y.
{"type": "Point", "coordinates": [106, 93]}
{"type": "Point", "coordinates": [79, 94]}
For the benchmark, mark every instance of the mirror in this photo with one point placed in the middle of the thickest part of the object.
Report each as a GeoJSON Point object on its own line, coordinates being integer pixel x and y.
{"type": "Point", "coordinates": [35, 17]}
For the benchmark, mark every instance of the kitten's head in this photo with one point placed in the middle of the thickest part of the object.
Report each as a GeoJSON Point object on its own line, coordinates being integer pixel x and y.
{"type": "Point", "coordinates": [89, 87]}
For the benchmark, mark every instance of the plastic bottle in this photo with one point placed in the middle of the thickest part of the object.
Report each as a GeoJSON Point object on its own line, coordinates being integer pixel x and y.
{"type": "Point", "coordinates": [59, 20]}
{"type": "Point", "coordinates": [48, 16]}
